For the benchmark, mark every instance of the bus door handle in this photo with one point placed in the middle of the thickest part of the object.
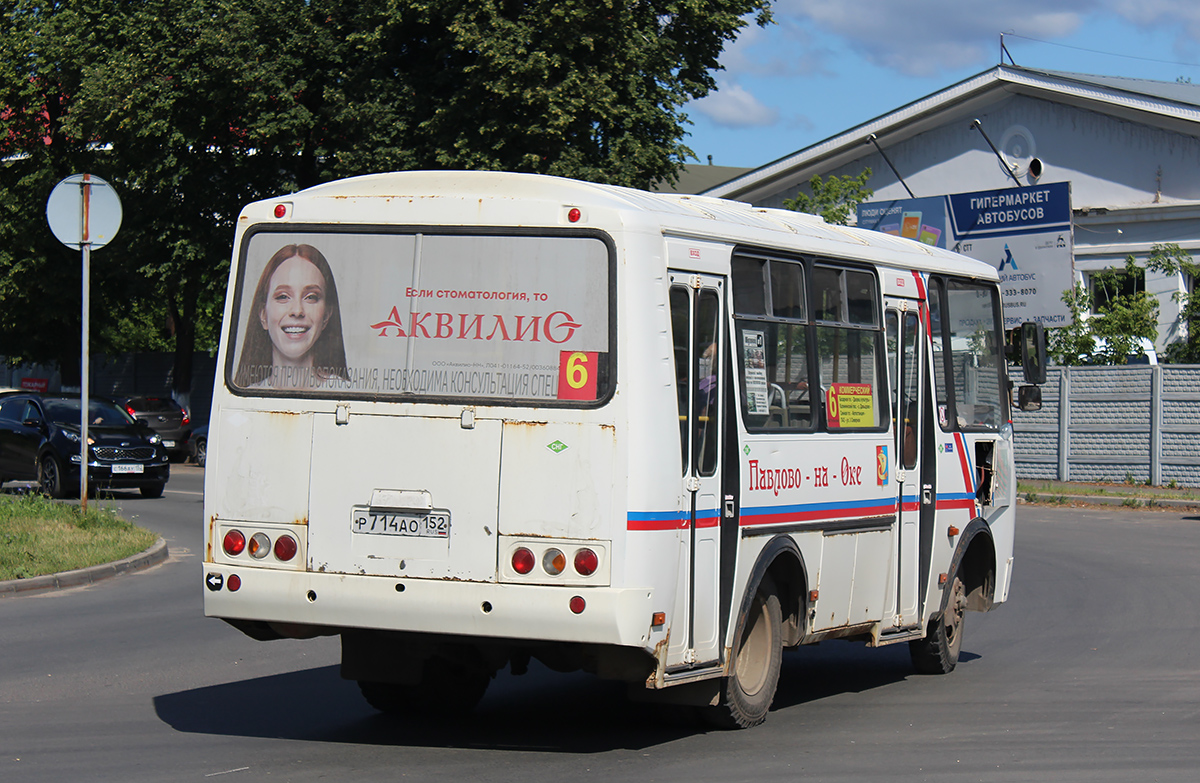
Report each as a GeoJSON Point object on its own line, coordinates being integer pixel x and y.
{"type": "Point", "coordinates": [927, 494]}
{"type": "Point", "coordinates": [729, 510]}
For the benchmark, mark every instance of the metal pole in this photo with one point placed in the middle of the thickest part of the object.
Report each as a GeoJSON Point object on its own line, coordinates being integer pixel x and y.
{"type": "Point", "coordinates": [84, 369]}
{"type": "Point", "coordinates": [83, 384]}
{"type": "Point", "coordinates": [872, 139]}
{"type": "Point", "coordinates": [977, 125]}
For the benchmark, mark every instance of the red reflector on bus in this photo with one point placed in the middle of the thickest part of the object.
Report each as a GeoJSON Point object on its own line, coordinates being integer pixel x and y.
{"type": "Point", "coordinates": [578, 604]}
{"type": "Point", "coordinates": [285, 548]}
{"type": "Point", "coordinates": [586, 562]}
{"type": "Point", "coordinates": [523, 560]}
{"type": "Point", "coordinates": [235, 543]}
{"type": "Point", "coordinates": [234, 583]}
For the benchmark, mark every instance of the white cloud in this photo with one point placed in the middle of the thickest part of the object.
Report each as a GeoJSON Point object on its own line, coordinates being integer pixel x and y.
{"type": "Point", "coordinates": [1183, 15]}
{"type": "Point", "coordinates": [733, 106]}
{"type": "Point", "coordinates": [757, 51]}
{"type": "Point", "coordinates": [925, 37]}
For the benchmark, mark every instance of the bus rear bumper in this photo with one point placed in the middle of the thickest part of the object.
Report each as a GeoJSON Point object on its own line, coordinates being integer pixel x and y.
{"type": "Point", "coordinates": [619, 616]}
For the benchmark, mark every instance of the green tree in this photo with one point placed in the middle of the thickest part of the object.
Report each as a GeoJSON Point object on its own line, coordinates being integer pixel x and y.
{"type": "Point", "coordinates": [1171, 259]}
{"type": "Point", "coordinates": [1073, 345]}
{"type": "Point", "coordinates": [833, 198]}
{"type": "Point", "coordinates": [1124, 314]}
{"type": "Point", "coordinates": [192, 108]}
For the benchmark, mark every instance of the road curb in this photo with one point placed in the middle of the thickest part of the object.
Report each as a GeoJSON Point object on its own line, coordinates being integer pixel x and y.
{"type": "Point", "coordinates": [156, 554]}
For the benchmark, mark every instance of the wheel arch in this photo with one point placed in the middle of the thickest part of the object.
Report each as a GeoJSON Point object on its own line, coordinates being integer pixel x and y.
{"type": "Point", "coordinates": [975, 558]}
{"type": "Point", "coordinates": [782, 561]}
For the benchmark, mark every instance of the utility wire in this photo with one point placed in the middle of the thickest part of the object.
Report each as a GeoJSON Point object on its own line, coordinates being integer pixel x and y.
{"type": "Point", "coordinates": [1098, 51]}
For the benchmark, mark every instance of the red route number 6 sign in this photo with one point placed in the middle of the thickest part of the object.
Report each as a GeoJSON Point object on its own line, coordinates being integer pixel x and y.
{"type": "Point", "coordinates": [577, 375]}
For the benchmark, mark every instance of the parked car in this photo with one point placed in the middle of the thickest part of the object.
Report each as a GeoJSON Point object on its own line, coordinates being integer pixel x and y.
{"type": "Point", "coordinates": [166, 417]}
{"type": "Point", "coordinates": [198, 445]}
{"type": "Point", "coordinates": [40, 441]}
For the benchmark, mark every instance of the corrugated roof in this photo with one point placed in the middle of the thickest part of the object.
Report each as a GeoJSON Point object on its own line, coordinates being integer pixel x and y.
{"type": "Point", "coordinates": [1176, 92]}
{"type": "Point", "coordinates": [1167, 100]}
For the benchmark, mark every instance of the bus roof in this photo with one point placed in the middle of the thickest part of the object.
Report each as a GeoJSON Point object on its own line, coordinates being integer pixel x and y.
{"type": "Point", "coordinates": [675, 214]}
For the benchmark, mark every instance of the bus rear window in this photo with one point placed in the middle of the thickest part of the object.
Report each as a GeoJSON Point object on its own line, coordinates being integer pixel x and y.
{"type": "Point", "coordinates": [482, 317]}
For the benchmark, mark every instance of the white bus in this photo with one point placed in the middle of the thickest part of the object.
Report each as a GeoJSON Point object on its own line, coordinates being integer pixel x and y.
{"type": "Point", "coordinates": [464, 420]}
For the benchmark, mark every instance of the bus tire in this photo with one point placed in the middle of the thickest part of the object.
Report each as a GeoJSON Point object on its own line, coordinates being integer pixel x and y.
{"type": "Point", "coordinates": [446, 689]}
{"type": "Point", "coordinates": [938, 652]}
{"type": "Point", "coordinates": [746, 694]}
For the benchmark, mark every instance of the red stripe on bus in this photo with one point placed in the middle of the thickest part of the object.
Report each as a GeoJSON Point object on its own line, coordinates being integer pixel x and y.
{"type": "Point", "coordinates": [656, 524]}
{"type": "Point", "coordinates": [807, 516]}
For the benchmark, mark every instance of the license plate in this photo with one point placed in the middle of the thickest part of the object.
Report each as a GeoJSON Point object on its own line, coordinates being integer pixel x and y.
{"type": "Point", "coordinates": [126, 468]}
{"type": "Point", "coordinates": [168, 444]}
{"type": "Point", "coordinates": [435, 524]}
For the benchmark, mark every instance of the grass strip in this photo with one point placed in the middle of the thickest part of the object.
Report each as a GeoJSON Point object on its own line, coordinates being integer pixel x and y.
{"type": "Point", "coordinates": [1114, 490]}
{"type": "Point", "coordinates": [39, 536]}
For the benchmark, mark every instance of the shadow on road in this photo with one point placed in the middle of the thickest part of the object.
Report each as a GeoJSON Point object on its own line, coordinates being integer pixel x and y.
{"type": "Point", "coordinates": [542, 711]}
{"type": "Point", "coordinates": [836, 667]}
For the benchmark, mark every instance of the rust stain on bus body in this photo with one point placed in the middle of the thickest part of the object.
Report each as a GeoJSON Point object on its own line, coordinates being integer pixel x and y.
{"type": "Point", "coordinates": [655, 680]}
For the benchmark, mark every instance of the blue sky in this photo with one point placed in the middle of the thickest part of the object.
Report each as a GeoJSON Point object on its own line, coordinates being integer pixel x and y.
{"type": "Point", "coordinates": [828, 65]}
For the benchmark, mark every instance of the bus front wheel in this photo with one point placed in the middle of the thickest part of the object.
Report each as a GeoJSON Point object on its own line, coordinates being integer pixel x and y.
{"type": "Point", "coordinates": [747, 693]}
{"type": "Point", "coordinates": [938, 652]}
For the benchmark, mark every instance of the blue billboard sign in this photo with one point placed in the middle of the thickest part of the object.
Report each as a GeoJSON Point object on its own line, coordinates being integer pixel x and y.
{"type": "Point", "coordinates": [922, 219]}
{"type": "Point", "coordinates": [992, 213]}
{"type": "Point", "coordinates": [1024, 232]}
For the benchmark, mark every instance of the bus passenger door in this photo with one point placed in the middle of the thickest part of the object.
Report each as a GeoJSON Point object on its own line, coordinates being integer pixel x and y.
{"type": "Point", "coordinates": [699, 348]}
{"type": "Point", "coordinates": [904, 360]}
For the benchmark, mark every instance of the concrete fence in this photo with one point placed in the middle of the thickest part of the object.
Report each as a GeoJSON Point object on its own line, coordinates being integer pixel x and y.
{"type": "Point", "coordinates": [1134, 423]}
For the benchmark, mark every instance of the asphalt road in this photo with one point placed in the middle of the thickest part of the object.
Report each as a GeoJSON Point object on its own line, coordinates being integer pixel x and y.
{"type": "Point", "coordinates": [1090, 673]}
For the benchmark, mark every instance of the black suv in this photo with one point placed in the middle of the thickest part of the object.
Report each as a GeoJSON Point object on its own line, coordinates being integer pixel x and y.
{"type": "Point", "coordinates": [40, 440]}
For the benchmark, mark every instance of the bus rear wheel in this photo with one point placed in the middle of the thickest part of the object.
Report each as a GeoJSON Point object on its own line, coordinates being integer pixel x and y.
{"type": "Point", "coordinates": [746, 694]}
{"type": "Point", "coordinates": [447, 688]}
{"type": "Point", "coordinates": [938, 652]}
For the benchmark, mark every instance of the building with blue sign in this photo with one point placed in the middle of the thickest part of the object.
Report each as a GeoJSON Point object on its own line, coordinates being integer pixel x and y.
{"type": "Point", "coordinates": [1127, 149]}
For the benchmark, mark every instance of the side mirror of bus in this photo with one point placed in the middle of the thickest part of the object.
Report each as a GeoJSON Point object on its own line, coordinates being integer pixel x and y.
{"type": "Point", "coordinates": [1029, 398]}
{"type": "Point", "coordinates": [1033, 354]}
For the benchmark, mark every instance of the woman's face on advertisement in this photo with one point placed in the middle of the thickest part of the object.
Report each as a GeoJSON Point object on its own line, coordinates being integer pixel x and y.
{"type": "Point", "coordinates": [295, 313]}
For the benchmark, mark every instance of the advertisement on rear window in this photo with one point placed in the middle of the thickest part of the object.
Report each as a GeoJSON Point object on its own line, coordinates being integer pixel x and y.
{"type": "Point", "coordinates": [491, 317]}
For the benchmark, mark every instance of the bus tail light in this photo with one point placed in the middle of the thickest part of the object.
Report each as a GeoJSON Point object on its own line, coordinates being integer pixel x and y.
{"type": "Point", "coordinates": [286, 547]}
{"type": "Point", "coordinates": [260, 546]}
{"type": "Point", "coordinates": [554, 561]}
{"type": "Point", "coordinates": [234, 543]}
{"type": "Point", "coordinates": [249, 544]}
{"type": "Point", "coordinates": [522, 561]}
{"type": "Point", "coordinates": [586, 562]}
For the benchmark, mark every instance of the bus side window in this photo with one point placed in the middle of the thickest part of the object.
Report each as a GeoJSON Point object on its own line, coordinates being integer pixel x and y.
{"type": "Point", "coordinates": [850, 349]}
{"type": "Point", "coordinates": [680, 334]}
{"type": "Point", "coordinates": [771, 343]}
